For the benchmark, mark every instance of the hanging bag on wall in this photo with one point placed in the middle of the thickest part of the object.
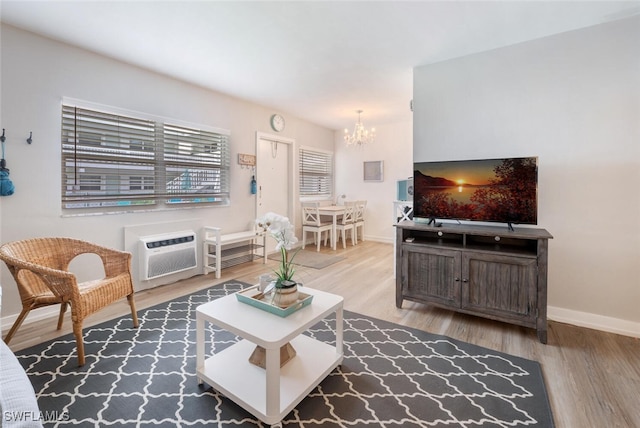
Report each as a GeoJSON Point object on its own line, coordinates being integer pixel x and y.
{"type": "Point", "coordinates": [6, 186]}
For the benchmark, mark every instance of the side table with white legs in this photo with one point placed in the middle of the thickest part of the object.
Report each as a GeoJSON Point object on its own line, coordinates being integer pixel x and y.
{"type": "Point", "coordinates": [334, 211]}
{"type": "Point", "coordinates": [268, 394]}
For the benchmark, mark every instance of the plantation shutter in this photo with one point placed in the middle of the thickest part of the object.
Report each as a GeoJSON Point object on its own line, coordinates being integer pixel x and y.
{"type": "Point", "coordinates": [107, 159]}
{"type": "Point", "coordinates": [316, 173]}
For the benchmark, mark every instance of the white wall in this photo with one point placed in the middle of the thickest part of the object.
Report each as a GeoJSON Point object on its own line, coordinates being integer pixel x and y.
{"type": "Point", "coordinates": [36, 73]}
{"type": "Point", "coordinates": [573, 100]}
{"type": "Point", "coordinates": [394, 146]}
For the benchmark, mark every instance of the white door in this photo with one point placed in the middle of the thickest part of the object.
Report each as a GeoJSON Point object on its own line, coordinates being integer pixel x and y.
{"type": "Point", "coordinates": [274, 174]}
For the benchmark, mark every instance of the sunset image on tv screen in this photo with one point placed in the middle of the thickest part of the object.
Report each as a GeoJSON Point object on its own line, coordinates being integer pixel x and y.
{"type": "Point", "coordinates": [498, 190]}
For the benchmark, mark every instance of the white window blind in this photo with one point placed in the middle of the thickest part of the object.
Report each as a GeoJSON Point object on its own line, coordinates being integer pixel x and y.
{"type": "Point", "coordinates": [196, 164]}
{"type": "Point", "coordinates": [316, 173]}
{"type": "Point", "coordinates": [113, 160]}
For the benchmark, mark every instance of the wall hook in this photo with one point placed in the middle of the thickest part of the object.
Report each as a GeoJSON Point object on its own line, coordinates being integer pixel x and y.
{"type": "Point", "coordinates": [30, 140]}
{"type": "Point", "coordinates": [2, 137]}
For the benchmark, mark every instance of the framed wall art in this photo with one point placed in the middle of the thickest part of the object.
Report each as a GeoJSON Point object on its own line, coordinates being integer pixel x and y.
{"type": "Point", "coordinates": [373, 170]}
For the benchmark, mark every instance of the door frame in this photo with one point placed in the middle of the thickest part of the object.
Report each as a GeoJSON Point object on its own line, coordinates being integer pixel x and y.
{"type": "Point", "coordinates": [290, 169]}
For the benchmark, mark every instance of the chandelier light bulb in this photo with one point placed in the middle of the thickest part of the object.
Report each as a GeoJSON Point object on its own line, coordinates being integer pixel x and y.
{"type": "Point", "coordinates": [360, 135]}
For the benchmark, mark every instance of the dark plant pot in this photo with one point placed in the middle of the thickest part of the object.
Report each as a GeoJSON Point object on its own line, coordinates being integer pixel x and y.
{"type": "Point", "coordinates": [284, 283]}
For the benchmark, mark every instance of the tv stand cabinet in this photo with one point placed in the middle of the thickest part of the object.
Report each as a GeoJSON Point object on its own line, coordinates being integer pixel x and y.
{"type": "Point", "coordinates": [488, 271]}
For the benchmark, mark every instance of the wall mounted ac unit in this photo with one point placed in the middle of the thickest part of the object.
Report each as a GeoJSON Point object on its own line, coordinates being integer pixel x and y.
{"type": "Point", "coordinates": [166, 254]}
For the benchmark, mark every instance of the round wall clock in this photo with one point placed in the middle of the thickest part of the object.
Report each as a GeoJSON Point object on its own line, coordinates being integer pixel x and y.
{"type": "Point", "coordinates": [277, 122]}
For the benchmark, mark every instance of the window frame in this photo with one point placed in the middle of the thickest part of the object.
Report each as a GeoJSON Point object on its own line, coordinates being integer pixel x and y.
{"type": "Point", "coordinates": [125, 159]}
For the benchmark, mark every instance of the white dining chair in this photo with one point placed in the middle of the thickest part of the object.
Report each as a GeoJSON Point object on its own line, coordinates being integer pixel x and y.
{"type": "Point", "coordinates": [312, 223]}
{"type": "Point", "coordinates": [358, 221]}
{"type": "Point", "coordinates": [346, 224]}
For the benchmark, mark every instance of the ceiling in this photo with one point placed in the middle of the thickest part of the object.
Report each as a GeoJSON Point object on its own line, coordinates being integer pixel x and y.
{"type": "Point", "coordinates": [316, 60]}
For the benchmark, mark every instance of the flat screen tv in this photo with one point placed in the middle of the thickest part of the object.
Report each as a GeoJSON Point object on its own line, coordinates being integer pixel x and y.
{"type": "Point", "coordinates": [489, 190]}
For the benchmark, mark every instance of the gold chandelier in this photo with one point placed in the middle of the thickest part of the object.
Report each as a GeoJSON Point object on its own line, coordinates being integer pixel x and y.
{"type": "Point", "coordinates": [360, 135]}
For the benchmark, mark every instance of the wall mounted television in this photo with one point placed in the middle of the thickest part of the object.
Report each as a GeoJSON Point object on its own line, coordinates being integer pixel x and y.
{"type": "Point", "coordinates": [488, 190]}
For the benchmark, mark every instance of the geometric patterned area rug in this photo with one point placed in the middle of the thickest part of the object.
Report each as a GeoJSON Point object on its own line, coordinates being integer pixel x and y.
{"type": "Point", "coordinates": [391, 376]}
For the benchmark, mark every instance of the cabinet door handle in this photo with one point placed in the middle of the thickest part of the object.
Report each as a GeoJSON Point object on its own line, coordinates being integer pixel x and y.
{"type": "Point", "coordinates": [456, 279]}
{"type": "Point", "coordinates": [465, 280]}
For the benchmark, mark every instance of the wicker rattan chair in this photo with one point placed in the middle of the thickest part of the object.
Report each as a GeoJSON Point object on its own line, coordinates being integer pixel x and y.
{"type": "Point", "coordinates": [40, 269]}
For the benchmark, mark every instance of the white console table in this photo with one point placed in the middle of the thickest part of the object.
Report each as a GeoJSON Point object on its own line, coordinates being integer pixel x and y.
{"type": "Point", "coordinates": [400, 212]}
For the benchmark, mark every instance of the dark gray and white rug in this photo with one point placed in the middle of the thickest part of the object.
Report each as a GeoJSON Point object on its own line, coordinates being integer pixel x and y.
{"type": "Point", "coordinates": [392, 376]}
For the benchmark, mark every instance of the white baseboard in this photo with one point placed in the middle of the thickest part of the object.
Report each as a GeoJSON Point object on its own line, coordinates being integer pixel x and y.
{"type": "Point", "coordinates": [382, 239]}
{"type": "Point", "coordinates": [596, 322]}
{"type": "Point", "coordinates": [49, 312]}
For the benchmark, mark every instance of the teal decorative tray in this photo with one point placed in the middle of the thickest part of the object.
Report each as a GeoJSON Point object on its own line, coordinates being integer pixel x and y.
{"type": "Point", "coordinates": [252, 296]}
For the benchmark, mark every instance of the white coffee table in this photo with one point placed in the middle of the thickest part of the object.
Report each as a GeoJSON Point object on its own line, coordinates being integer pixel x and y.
{"type": "Point", "coordinates": [268, 394]}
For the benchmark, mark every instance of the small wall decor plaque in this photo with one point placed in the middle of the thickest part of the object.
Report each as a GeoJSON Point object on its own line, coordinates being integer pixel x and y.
{"type": "Point", "coordinates": [246, 160]}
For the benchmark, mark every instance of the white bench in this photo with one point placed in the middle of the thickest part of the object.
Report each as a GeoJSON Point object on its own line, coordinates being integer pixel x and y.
{"type": "Point", "coordinates": [220, 251]}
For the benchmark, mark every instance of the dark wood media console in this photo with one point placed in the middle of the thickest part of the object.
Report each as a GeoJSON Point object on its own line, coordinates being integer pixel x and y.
{"type": "Point", "coordinates": [488, 271]}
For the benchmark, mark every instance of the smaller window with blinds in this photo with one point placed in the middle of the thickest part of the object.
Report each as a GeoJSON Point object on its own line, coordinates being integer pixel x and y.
{"type": "Point", "coordinates": [316, 173]}
{"type": "Point", "coordinates": [110, 161]}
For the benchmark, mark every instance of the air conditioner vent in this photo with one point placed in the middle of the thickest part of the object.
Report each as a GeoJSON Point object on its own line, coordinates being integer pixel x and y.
{"type": "Point", "coordinates": [166, 254]}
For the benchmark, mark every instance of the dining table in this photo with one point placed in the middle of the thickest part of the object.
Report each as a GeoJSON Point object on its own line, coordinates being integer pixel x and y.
{"type": "Point", "coordinates": [333, 211]}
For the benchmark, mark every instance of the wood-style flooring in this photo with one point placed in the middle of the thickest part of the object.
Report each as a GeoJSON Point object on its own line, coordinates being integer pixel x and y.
{"type": "Point", "coordinates": [592, 377]}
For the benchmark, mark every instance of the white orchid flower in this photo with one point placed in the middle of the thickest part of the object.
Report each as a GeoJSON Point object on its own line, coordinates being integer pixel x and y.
{"type": "Point", "coordinates": [281, 229]}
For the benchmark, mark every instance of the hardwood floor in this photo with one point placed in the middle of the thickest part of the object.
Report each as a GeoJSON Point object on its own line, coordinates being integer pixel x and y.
{"type": "Point", "coordinates": [592, 377]}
